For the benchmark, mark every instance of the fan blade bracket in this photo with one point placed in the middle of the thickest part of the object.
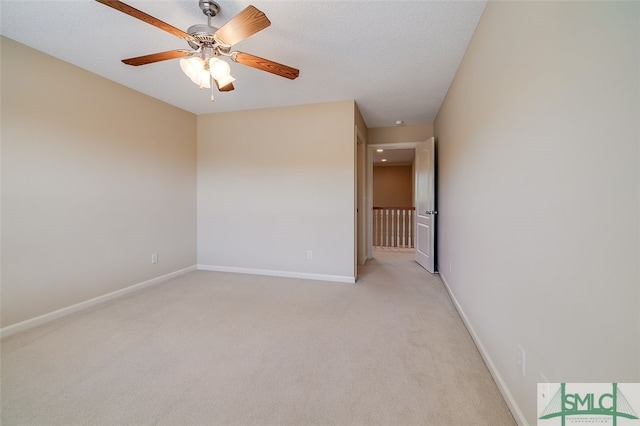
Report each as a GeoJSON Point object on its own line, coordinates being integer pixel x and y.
{"type": "Point", "coordinates": [221, 44]}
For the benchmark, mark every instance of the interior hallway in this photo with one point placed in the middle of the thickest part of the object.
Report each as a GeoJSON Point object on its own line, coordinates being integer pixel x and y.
{"type": "Point", "coordinates": [219, 348]}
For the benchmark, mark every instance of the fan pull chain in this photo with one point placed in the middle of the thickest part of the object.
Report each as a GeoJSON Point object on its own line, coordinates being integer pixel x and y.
{"type": "Point", "coordinates": [211, 81]}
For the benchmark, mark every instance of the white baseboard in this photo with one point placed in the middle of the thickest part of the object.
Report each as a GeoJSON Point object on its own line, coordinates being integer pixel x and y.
{"type": "Point", "coordinates": [42, 319]}
{"type": "Point", "coordinates": [502, 386]}
{"type": "Point", "coordinates": [284, 274]}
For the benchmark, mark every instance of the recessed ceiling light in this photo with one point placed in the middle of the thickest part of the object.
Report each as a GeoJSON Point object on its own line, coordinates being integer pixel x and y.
{"type": "Point", "coordinates": [379, 150]}
{"type": "Point", "coordinates": [399, 122]}
{"type": "Point", "coordinates": [384, 159]}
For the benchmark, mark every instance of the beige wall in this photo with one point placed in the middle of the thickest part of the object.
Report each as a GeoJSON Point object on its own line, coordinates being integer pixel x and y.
{"type": "Point", "coordinates": [392, 186]}
{"type": "Point", "coordinates": [539, 192]}
{"type": "Point", "coordinates": [275, 183]}
{"type": "Point", "coordinates": [95, 178]}
{"type": "Point", "coordinates": [398, 134]}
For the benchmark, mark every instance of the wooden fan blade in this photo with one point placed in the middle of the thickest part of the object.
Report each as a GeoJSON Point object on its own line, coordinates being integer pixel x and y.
{"type": "Point", "coordinates": [157, 57]}
{"type": "Point", "coordinates": [229, 87]}
{"type": "Point", "coordinates": [241, 26]}
{"type": "Point", "coordinates": [265, 65]}
{"type": "Point", "coordinates": [132, 11]}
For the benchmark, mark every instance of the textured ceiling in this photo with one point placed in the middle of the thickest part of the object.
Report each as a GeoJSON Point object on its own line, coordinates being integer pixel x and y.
{"type": "Point", "coordinates": [395, 58]}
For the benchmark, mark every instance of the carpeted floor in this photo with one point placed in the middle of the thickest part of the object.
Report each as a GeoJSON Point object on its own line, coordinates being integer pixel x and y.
{"type": "Point", "coordinates": [215, 348]}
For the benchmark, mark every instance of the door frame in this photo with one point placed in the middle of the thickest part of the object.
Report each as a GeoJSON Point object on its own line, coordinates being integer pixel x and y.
{"type": "Point", "coordinates": [428, 218]}
{"type": "Point", "coordinates": [359, 256]}
{"type": "Point", "coordinates": [369, 183]}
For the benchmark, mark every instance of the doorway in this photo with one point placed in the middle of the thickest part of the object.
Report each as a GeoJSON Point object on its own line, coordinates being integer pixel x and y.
{"type": "Point", "coordinates": [390, 221]}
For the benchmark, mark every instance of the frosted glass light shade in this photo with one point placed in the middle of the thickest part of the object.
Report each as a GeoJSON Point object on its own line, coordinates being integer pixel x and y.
{"type": "Point", "coordinates": [190, 66]}
{"type": "Point", "coordinates": [194, 69]}
{"type": "Point", "coordinates": [219, 69]}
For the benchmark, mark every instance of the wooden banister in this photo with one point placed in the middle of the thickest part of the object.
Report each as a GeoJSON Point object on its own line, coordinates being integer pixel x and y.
{"type": "Point", "coordinates": [393, 226]}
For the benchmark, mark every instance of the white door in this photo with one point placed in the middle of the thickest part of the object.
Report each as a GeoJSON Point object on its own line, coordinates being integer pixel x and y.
{"type": "Point", "coordinates": [425, 204]}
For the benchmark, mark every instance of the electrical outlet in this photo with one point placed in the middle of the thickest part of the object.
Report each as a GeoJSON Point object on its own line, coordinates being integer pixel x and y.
{"type": "Point", "coordinates": [522, 360]}
{"type": "Point", "coordinates": [309, 254]}
{"type": "Point", "coordinates": [154, 258]}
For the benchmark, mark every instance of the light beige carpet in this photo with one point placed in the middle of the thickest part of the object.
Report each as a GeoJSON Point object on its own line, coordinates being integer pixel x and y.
{"type": "Point", "coordinates": [214, 348]}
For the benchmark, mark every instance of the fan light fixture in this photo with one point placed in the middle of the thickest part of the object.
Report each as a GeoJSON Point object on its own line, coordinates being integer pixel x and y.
{"type": "Point", "coordinates": [202, 72]}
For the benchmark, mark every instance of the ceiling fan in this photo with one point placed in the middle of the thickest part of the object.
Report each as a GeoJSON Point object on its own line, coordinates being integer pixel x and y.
{"type": "Point", "coordinates": [208, 44]}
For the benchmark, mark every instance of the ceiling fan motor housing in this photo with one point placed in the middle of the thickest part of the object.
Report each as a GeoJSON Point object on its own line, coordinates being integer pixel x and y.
{"type": "Point", "coordinates": [204, 34]}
